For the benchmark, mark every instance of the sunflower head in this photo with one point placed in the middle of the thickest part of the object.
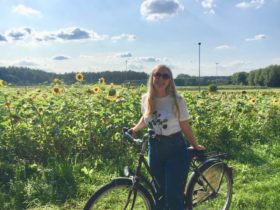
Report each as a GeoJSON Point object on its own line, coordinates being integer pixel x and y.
{"type": "Point", "coordinates": [89, 91]}
{"type": "Point", "coordinates": [57, 81]}
{"type": "Point", "coordinates": [79, 77]}
{"type": "Point", "coordinates": [8, 104]}
{"type": "Point", "coordinates": [40, 110]}
{"type": "Point", "coordinates": [253, 101]}
{"type": "Point", "coordinates": [112, 95]}
{"type": "Point", "coordinates": [96, 90]}
{"type": "Point", "coordinates": [275, 101]}
{"type": "Point", "coordinates": [101, 81]}
{"type": "Point", "coordinates": [56, 90]}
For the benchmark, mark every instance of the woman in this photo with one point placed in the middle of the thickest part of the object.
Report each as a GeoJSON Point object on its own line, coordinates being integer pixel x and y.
{"type": "Point", "coordinates": [165, 111]}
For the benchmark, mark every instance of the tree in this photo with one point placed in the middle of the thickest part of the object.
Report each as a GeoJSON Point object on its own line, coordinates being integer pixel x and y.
{"type": "Point", "coordinates": [240, 78]}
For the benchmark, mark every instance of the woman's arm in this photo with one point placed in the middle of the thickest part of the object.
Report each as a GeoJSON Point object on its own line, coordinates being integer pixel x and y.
{"type": "Point", "coordinates": [187, 130]}
{"type": "Point", "coordinates": [140, 125]}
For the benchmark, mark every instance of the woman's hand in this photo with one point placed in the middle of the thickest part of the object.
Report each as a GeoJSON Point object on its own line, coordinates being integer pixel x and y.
{"type": "Point", "coordinates": [132, 132]}
{"type": "Point", "coordinates": [199, 147]}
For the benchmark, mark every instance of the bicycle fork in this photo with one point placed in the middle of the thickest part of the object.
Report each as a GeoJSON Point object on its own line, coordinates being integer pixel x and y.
{"type": "Point", "coordinates": [133, 191]}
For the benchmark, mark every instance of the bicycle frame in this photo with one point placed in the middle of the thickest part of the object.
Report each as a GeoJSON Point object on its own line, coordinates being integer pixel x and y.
{"type": "Point", "coordinates": [153, 185]}
{"type": "Point", "coordinates": [137, 178]}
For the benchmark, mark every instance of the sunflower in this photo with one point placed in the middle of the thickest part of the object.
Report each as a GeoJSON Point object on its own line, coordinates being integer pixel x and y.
{"type": "Point", "coordinates": [1, 82]}
{"type": "Point", "coordinates": [96, 90]}
{"type": "Point", "coordinates": [112, 85]}
{"type": "Point", "coordinates": [79, 77]}
{"type": "Point", "coordinates": [8, 104]}
{"type": "Point", "coordinates": [102, 81]}
{"type": "Point", "coordinates": [89, 91]}
{"type": "Point", "coordinates": [253, 101]}
{"type": "Point", "coordinates": [112, 95]}
{"type": "Point", "coordinates": [40, 110]}
{"type": "Point", "coordinates": [275, 101]}
{"type": "Point", "coordinates": [56, 90]}
{"type": "Point", "coordinates": [57, 81]}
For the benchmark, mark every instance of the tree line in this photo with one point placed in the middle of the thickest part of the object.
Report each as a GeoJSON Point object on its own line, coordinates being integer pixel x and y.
{"type": "Point", "coordinates": [269, 77]}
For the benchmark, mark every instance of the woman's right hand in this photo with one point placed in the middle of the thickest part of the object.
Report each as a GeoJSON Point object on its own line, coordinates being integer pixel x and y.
{"type": "Point", "coordinates": [132, 132]}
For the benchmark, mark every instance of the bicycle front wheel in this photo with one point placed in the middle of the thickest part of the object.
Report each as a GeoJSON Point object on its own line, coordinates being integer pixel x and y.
{"type": "Point", "coordinates": [210, 189]}
{"type": "Point", "coordinates": [118, 195]}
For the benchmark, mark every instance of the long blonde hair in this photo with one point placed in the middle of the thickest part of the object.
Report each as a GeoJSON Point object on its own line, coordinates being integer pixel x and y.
{"type": "Point", "coordinates": [151, 93]}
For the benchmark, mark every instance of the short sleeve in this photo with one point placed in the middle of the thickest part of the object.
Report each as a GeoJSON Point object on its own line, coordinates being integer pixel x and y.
{"type": "Point", "coordinates": [143, 99]}
{"type": "Point", "coordinates": [184, 112]}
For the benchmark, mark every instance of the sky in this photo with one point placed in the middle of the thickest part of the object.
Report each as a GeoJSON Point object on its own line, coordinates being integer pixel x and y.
{"type": "Point", "coordinates": [97, 35]}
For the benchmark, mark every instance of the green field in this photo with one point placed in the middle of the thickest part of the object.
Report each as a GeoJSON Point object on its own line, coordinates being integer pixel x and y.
{"type": "Point", "coordinates": [59, 143]}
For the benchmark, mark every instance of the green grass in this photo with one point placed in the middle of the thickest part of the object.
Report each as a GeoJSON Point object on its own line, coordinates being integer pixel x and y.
{"type": "Point", "coordinates": [256, 182]}
{"type": "Point", "coordinates": [257, 179]}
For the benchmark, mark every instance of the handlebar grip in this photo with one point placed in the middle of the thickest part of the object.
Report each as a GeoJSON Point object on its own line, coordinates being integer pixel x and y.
{"type": "Point", "coordinates": [127, 133]}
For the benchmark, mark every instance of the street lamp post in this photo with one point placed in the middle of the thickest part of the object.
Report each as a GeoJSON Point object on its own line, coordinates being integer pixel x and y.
{"type": "Point", "coordinates": [199, 43]}
{"type": "Point", "coordinates": [125, 70]}
{"type": "Point", "coordinates": [217, 73]}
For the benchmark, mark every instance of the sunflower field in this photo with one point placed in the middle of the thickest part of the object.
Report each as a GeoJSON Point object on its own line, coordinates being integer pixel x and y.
{"type": "Point", "coordinates": [59, 143]}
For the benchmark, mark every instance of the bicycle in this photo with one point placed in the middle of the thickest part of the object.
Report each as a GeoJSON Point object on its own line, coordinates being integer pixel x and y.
{"type": "Point", "coordinates": [209, 187]}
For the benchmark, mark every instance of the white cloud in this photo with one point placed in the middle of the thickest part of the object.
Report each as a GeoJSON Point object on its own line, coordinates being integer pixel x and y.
{"type": "Point", "coordinates": [257, 37]}
{"type": "Point", "coordinates": [153, 10]}
{"type": "Point", "coordinates": [18, 34]}
{"type": "Point", "coordinates": [223, 47]}
{"type": "Point", "coordinates": [25, 63]}
{"type": "Point", "coordinates": [60, 58]}
{"type": "Point", "coordinates": [148, 59]}
{"type": "Point", "coordinates": [208, 5]}
{"type": "Point", "coordinates": [128, 37]}
{"type": "Point", "coordinates": [27, 11]}
{"type": "Point", "coordinates": [69, 34]}
{"type": "Point", "coordinates": [62, 35]}
{"type": "Point", "coordinates": [2, 38]}
{"type": "Point", "coordinates": [124, 55]}
{"type": "Point", "coordinates": [250, 4]}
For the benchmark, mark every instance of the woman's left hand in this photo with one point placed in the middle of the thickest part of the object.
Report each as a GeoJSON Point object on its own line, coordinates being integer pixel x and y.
{"type": "Point", "coordinates": [199, 147]}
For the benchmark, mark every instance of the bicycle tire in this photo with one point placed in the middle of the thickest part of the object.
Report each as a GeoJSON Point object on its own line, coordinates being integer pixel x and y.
{"type": "Point", "coordinates": [114, 195]}
{"type": "Point", "coordinates": [200, 196]}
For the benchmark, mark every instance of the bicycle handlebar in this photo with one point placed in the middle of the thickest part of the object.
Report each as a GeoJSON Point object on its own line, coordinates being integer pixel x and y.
{"type": "Point", "coordinates": [126, 132]}
{"type": "Point", "coordinates": [193, 153]}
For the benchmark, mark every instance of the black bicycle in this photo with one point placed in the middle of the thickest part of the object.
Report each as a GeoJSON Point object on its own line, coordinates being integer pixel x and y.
{"type": "Point", "coordinates": [209, 187]}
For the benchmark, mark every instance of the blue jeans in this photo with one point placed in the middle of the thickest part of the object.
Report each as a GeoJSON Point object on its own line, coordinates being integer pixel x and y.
{"type": "Point", "coordinates": [169, 164]}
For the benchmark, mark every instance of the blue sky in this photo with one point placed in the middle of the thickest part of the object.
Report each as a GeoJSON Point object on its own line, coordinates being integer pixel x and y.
{"type": "Point", "coordinates": [96, 35]}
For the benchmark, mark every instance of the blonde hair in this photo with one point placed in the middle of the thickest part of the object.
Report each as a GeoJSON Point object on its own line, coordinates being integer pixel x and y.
{"type": "Point", "coordinates": [151, 93]}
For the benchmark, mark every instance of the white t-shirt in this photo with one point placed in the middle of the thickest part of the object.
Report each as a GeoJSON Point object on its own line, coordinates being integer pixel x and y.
{"type": "Point", "coordinates": [164, 120]}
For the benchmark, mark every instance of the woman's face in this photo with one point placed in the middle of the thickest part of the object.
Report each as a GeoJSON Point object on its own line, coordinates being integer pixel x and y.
{"type": "Point", "coordinates": [161, 79]}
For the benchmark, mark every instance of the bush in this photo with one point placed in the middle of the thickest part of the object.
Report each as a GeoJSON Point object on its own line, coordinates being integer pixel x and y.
{"type": "Point", "coordinates": [213, 88]}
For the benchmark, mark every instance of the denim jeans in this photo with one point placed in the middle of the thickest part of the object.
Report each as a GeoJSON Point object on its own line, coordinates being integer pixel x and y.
{"type": "Point", "coordinates": [169, 164]}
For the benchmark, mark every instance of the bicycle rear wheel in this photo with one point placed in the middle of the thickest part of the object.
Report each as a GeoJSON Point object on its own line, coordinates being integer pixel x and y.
{"type": "Point", "coordinates": [115, 196]}
{"type": "Point", "coordinates": [210, 189]}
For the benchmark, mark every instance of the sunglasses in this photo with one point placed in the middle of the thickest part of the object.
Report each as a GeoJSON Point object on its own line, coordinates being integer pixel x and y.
{"type": "Point", "coordinates": [163, 76]}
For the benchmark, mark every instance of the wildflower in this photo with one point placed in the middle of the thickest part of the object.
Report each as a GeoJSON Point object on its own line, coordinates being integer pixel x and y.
{"type": "Point", "coordinates": [102, 81]}
{"type": "Point", "coordinates": [79, 77]}
{"type": "Point", "coordinates": [96, 90]}
{"type": "Point", "coordinates": [1, 82]}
